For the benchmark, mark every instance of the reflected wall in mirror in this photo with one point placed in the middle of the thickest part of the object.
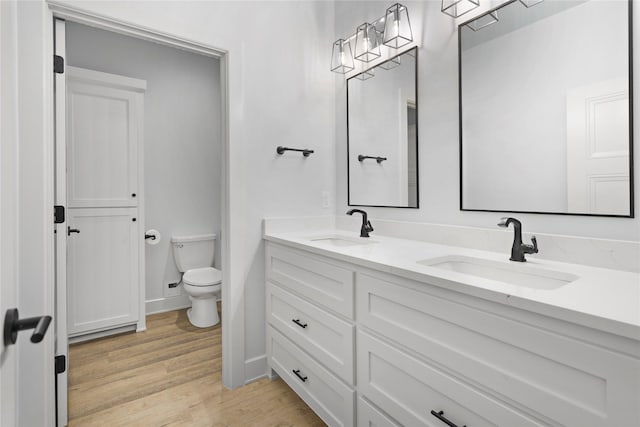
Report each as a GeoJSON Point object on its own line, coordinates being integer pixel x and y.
{"type": "Point", "coordinates": [382, 134]}
{"type": "Point", "coordinates": [545, 108]}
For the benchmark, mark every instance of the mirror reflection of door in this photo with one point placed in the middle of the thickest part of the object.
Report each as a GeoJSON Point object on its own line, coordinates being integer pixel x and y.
{"type": "Point", "coordinates": [598, 148]}
{"type": "Point", "coordinates": [412, 150]}
{"type": "Point", "coordinates": [545, 109]}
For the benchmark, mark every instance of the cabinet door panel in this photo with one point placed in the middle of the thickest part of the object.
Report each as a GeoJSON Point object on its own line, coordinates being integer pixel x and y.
{"type": "Point", "coordinates": [370, 416]}
{"type": "Point", "coordinates": [102, 275]}
{"type": "Point", "coordinates": [314, 277]}
{"type": "Point", "coordinates": [409, 389]}
{"type": "Point", "coordinates": [331, 399]}
{"type": "Point", "coordinates": [566, 380]}
{"type": "Point", "coordinates": [329, 339]}
{"type": "Point", "coordinates": [103, 132]}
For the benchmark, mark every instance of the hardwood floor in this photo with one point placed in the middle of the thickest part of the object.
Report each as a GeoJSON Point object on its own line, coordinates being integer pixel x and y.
{"type": "Point", "coordinates": [170, 375]}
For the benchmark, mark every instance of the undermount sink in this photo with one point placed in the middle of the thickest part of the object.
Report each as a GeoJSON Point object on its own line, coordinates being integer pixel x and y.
{"type": "Point", "coordinates": [342, 241]}
{"type": "Point", "coordinates": [511, 273]}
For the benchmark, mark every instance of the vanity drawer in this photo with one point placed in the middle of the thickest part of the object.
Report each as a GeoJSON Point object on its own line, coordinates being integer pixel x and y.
{"type": "Point", "coordinates": [370, 416]}
{"type": "Point", "coordinates": [409, 389]}
{"type": "Point", "coordinates": [329, 339]}
{"type": "Point", "coordinates": [313, 277]}
{"type": "Point", "coordinates": [554, 376]}
{"type": "Point", "coordinates": [332, 400]}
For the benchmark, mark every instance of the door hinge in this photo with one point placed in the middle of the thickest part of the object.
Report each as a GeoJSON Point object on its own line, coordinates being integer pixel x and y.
{"type": "Point", "coordinates": [58, 214]}
{"type": "Point", "coordinates": [58, 64]}
{"type": "Point", "coordinates": [60, 364]}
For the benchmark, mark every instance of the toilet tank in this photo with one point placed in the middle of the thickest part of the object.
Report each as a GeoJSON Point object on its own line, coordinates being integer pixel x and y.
{"type": "Point", "coordinates": [191, 252]}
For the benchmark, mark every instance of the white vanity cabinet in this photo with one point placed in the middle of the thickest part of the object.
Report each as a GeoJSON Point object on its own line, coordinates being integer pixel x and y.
{"type": "Point", "coordinates": [310, 330]}
{"type": "Point", "coordinates": [421, 348]}
{"type": "Point", "coordinates": [531, 363]}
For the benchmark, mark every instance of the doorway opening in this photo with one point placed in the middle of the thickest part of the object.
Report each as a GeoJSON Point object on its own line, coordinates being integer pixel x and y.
{"type": "Point", "coordinates": [139, 166]}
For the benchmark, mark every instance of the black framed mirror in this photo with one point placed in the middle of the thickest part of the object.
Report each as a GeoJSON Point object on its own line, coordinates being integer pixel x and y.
{"type": "Point", "coordinates": [545, 108]}
{"type": "Point", "coordinates": [382, 134]}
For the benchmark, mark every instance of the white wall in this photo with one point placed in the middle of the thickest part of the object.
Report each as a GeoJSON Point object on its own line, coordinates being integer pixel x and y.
{"type": "Point", "coordinates": [538, 63]}
{"type": "Point", "coordinates": [182, 146]}
{"type": "Point", "coordinates": [436, 33]}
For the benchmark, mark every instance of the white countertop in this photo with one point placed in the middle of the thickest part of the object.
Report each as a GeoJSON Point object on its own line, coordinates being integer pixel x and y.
{"type": "Point", "coordinates": [603, 299]}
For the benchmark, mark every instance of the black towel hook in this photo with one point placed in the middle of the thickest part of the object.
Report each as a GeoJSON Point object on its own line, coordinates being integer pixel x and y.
{"type": "Point", "coordinates": [305, 151]}
{"type": "Point", "coordinates": [362, 157]}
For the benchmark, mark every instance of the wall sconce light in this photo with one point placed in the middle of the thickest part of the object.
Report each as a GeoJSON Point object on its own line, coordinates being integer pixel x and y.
{"type": "Point", "coordinates": [397, 29]}
{"type": "Point", "coordinates": [341, 57]}
{"type": "Point", "coordinates": [529, 3]}
{"type": "Point", "coordinates": [367, 43]}
{"type": "Point", "coordinates": [484, 21]}
{"type": "Point", "coordinates": [393, 30]}
{"type": "Point", "coordinates": [456, 8]}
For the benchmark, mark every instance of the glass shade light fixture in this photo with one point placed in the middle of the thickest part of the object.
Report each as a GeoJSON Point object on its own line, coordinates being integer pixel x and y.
{"type": "Point", "coordinates": [390, 64]}
{"type": "Point", "coordinates": [366, 74]}
{"type": "Point", "coordinates": [397, 29]}
{"type": "Point", "coordinates": [484, 21]}
{"type": "Point", "coordinates": [341, 57]}
{"type": "Point", "coordinates": [392, 30]}
{"type": "Point", "coordinates": [529, 3]}
{"type": "Point", "coordinates": [456, 8]}
{"type": "Point", "coordinates": [367, 43]}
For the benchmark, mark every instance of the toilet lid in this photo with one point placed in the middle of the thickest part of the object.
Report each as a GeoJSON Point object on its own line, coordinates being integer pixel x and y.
{"type": "Point", "coordinates": [202, 276]}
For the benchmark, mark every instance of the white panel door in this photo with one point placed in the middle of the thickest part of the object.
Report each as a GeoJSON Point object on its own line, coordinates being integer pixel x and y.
{"type": "Point", "coordinates": [102, 273]}
{"type": "Point", "coordinates": [598, 148]}
{"type": "Point", "coordinates": [104, 128]}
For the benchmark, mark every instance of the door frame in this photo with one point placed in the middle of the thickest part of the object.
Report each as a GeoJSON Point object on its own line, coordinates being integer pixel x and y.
{"type": "Point", "coordinates": [60, 244]}
{"type": "Point", "coordinates": [8, 206]}
{"type": "Point", "coordinates": [233, 346]}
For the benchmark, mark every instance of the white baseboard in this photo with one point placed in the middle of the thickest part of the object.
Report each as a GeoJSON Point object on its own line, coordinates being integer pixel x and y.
{"type": "Point", "coordinates": [255, 369]}
{"type": "Point", "coordinates": [101, 334]}
{"type": "Point", "coordinates": [272, 375]}
{"type": "Point", "coordinates": [161, 305]}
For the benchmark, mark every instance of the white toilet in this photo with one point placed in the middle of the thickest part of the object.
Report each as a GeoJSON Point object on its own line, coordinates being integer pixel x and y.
{"type": "Point", "coordinates": [194, 258]}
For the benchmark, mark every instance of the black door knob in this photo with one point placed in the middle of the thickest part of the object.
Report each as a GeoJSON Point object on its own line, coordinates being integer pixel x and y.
{"type": "Point", "coordinates": [72, 230]}
{"type": "Point", "coordinates": [13, 324]}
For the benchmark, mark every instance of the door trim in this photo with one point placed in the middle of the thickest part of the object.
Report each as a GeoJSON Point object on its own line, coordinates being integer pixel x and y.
{"type": "Point", "coordinates": [9, 176]}
{"type": "Point", "coordinates": [60, 241]}
{"type": "Point", "coordinates": [233, 347]}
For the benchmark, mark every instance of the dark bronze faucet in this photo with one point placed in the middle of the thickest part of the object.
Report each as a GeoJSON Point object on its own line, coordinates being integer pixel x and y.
{"type": "Point", "coordinates": [366, 224]}
{"type": "Point", "coordinates": [518, 250]}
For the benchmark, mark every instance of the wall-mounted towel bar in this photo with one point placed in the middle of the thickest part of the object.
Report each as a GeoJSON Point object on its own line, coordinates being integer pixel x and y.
{"type": "Point", "coordinates": [305, 151]}
{"type": "Point", "coordinates": [377, 159]}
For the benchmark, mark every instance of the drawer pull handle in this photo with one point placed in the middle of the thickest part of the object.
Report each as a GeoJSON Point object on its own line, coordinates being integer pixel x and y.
{"type": "Point", "coordinates": [299, 323]}
{"type": "Point", "coordinates": [440, 415]}
{"type": "Point", "coordinates": [297, 372]}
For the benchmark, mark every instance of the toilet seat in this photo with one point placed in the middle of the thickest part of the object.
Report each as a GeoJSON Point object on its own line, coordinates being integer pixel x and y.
{"type": "Point", "coordinates": [207, 276]}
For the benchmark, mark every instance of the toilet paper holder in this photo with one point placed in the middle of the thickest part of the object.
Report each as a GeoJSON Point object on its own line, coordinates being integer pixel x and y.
{"type": "Point", "coordinates": [152, 237]}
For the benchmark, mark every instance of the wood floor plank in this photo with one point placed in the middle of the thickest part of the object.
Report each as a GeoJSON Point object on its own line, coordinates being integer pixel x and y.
{"type": "Point", "coordinates": [170, 375]}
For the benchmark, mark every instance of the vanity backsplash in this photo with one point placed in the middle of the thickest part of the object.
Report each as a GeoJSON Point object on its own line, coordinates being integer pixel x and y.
{"type": "Point", "coordinates": [614, 254]}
